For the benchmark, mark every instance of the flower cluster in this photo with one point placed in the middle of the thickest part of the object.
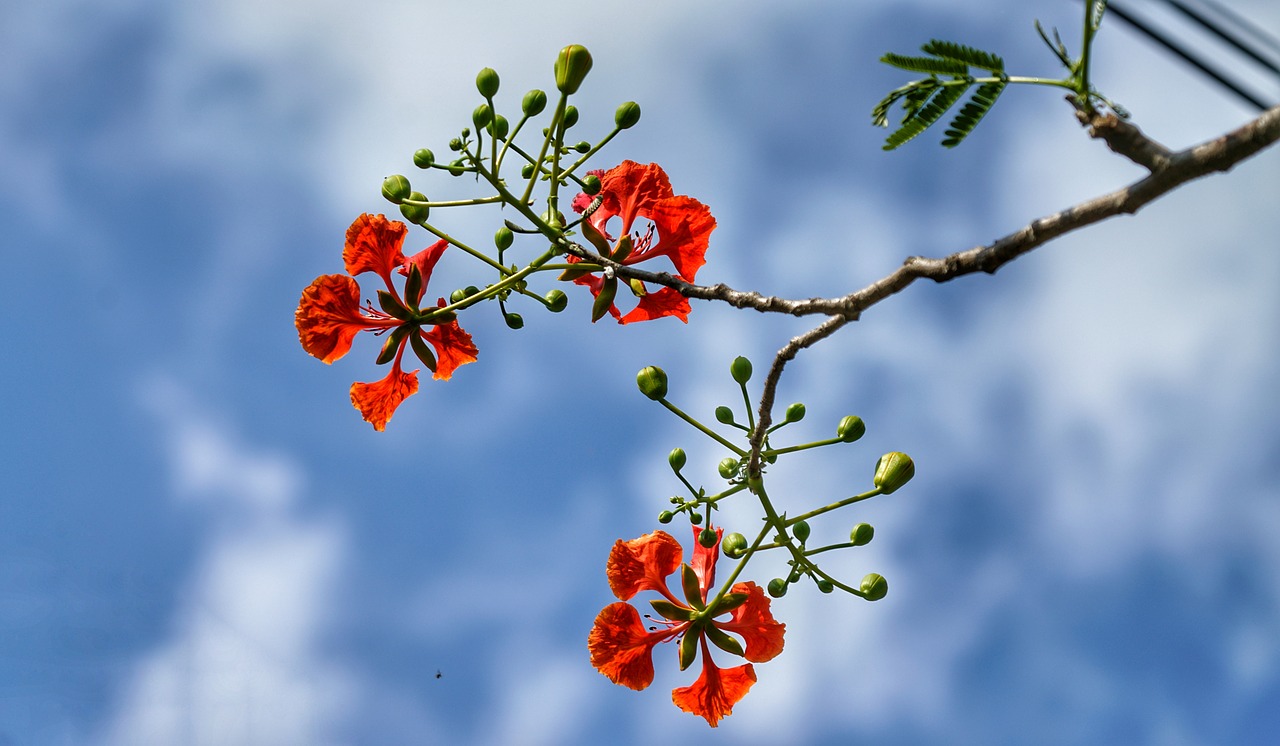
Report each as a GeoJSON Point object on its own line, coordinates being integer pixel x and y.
{"type": "Point", "coordinates": [679, 229]}
{"type": "Point", "coordinates": [329, 316]}
{"type": "Point", "coordinates": [622, 649]}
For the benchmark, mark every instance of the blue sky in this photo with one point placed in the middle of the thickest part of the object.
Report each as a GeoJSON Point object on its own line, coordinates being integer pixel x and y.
{"type": "Point", "coordinates": [202, 543]}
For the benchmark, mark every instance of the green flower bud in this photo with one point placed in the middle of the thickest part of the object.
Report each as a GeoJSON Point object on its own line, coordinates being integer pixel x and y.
{"type": "Point", "coordinates": [874, 587]}
{"type": "Point", "coordinates": [503, 238]}
{"type": "Point", "coordinates": [556, 221]}
{"type": "Point", "coordinates": [457, 296]}
{"type": "Point", "coordinates": [801, 531]}
{"type": "Point", "coordinates": [677, 459]}
{"type": "Point", "coordinates": [556, 300]}
{"type": "Point", "coordinates": [487, 82]}
{"type": "Point", "coordinates": [689, 647]}
{"type": "Point", "coordinates": [416, 214]}
{"type": "Point", "coordinates": [466, 132]}
{"type": "Point", "coordinates": [728, 467]}
{"type": "Point", "coordinates": [795, 576]}
{"type": "Point", "coordinates": [652, 382]}
{"type": "Point", "coordinates": [455, 144]}
{"type": "Point", "coordinates": [740, 369]}
{"type": "Point", "coordinates": [724, 415]}
{"type": "Point", "coordinates": [534, 102]}
{"type": "Point", "coordinates": [396, 188]}
{"type": "Point", "coordinates": [893, 470]}
{"type": "Point", "coordinates": [665, 516]}
{"type": "Point", "coordinates": [471, 290]}
{"type": "Point", "coordinates": [604, 300]}
{"type": "Point", "coordinates": [482, 115]}
{"type": "Point", "coordinates": [861, 534]}
{"type": "Point", "coordinates": [582, 146]}
{"type": "Point", "coordinates": [825, 585]}
{"type": "Point", "coordinates": [851, 428]}
{"type": "Point", "coordinates": [570, 116]}
{"type": "Point", "coordinates": [795, 412]}
{"type": "Point", "coordinates": [514, 320]}
{"type": "Point", "coordinates": [526, 171]}
{"type": "Point", "coordinates": [457, 168]}
{"type": "Point", "coordinates": [627, 115]}
{"type": "Point", "coordinates": [695, 518]}
{"type": "Point", "coordinates": [499, 127]}
{"type": "Point", "coordinates": [423, 158]}
{"type": "Point", "coordinates": [572, 65]}
{"type": "Point", "coordinates": [734, 545]}
{"type": "Point", "coordinates": [591, 184]}
{"type": "Point", "coordinates": [777, 588]}
{"type": "Point", "coordinates": [707, 537]}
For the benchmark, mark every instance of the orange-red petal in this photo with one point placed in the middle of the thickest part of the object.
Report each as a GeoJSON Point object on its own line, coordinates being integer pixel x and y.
{"type": "Point", "coordinates": [621, 648]}
{"type": "Point", "coordinates": [328, 317]}
{"type": "Point", "coordinates": [643, 564]}
{"type": "Point", "coordinates": [373, 245]}
{"type": "Point", "coordinates": [377, 401]}
{"type": "Point", "coordinates": [755, 623]}
{"type": "Point", "coordinates": [664, 302]}
{"type": "Point", "coordinates": [716, 691]}
{"type": "Point", "coordinates": [684, 228]}
{"type": "Point", "coordinates": [453, 345]}
{"type": "Point", "coordinates": [426, 261]}
{"type": "Point", "coordinates": [629, 190]}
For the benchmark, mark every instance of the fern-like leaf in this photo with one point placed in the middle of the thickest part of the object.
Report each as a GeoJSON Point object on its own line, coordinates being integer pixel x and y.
{"type": "Point", "coordinates": [925, 116]}
{"type": "Point", "coordinates": [912, 95]}
{"type": "Point", "coordinates": [930, 65]}
{"type": "Point", "coordinates": [972, 112]}
{"type": "Point", "coordinates": [949, 50]}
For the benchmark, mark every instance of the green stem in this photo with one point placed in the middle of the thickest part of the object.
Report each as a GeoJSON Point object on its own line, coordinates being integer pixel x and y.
{"type": "Point", "coordinates": [591, 152]}
{"type": "Point", "coordinates": [702, 428]}
{"type": "Point", "coordinates": [802, 447]}
{"type": "Point", "coordinates": [454, 203]}
{"type": "Point", "coordinates": [542, 154]}
{"type": "Point", "coordinates": [835, 505]}
{"type": "Point", "coordinates": [455, 242]}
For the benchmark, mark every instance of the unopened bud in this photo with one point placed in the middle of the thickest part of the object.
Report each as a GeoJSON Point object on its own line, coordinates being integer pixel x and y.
{"type": "Point", "coordinates": [534, 102]}
{"type": "Point", "coordinates": [874, 587]}
{"type": "Point", "coordinates": [862, 534]}
{"type": "Point", "coordinates": [728, 467]}
{"type": "Point", "coordinates": [571, 67]}
{"type": "Point", "coordinates": [652, 381]}
{"type": "Point", "coordinates": [795, 412]}
{"type": "Point", "coordinates": [482, 115]}
{"type": "Point", "coordinates": [801, 531]}
{"type": "Point", "coordinates": [499, 127]}
{"type": "Point", "coordinates": [707, 537]}
{"type": "Point", "coordinates": [423, 158]}
{"type": "Point", "coordinates": [740, 369]}
{"type": "Point", "coordinates": [724, 415]}
{"type": "Point", "coordinates": [487, 82]}
{"type": "Point", "coordinates": [627, 115]}
{"type": "Point", "coordinates": [892, 471]}
{"type": "Point", "coordinates": [556, 300]}
{"type": "Point", "coordinates": [677, 459]}
{"type": "Point", "coordinates": [734, 545]}
{"type": "Point", "coordinates": [570, 116]}
{"type": "Point", "coordinates": [514, 320]}
{"type": "Point", "coordinates": [777, 588]}
{"type": "Point", "coordinates": [826, 586]}
{"type": "Point", "coordinates": [416, 214]}
{"type": "Point", "coordinates": [396, 188]}
{"type": "Point", "coordinates": [851, 428]}
{"type": "Point", "coordinates": [665, 516]}
{"type": "Point", "coordinates": [590, 185]}
{"type": "Point", "coordinates": [503, 238]}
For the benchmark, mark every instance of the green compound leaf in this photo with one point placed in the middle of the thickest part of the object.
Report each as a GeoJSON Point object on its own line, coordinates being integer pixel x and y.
{"type": "Point", "coordinates": [949, 50]}
{"type": "Point", "coordinates": [930, 65]}
{"type": "Point", "coordinates": [972, 113]}
{"type": "Point", "coordinates": [926, 116]}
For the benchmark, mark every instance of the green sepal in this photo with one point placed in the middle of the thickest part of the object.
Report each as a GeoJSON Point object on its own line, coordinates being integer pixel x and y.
{"type": "Point", "coordinates": [730, 601]}
{"type": "Point", "coordinates": [413, 286]}
{"type": "Point", "coordinates": [625, 245]}
{"type": "Point", "coordinates": [689, 645]}
{"type": "Point", "coordinates": [722, 640]}
{"type": "Point", "coordinates": [569, 275]}
{"type": "Point", "coordinates": [689, 581]}
{"type": "Point", "coordinates": [604, 301]}
{"type": "Point", "coordinates": [392, 306]}
{"type": "Point", "coordinates": [392, 345]}
{"type": "Point", "coordinates": [668, 610]}
{"type": "Point", "coordinates": [423, 351]}
{"type": "Point", "coordinates": [597, 239]}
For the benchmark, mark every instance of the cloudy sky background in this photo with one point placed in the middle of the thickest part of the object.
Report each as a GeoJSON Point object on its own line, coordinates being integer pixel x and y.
{"type": "Point", "coordinates": [202, 543]}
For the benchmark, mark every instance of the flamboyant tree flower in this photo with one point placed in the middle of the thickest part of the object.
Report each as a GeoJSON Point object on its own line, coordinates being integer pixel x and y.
{"type": "Point", "coordinates": [329, 316]}
{"type": "Point", "coordinates": [622, 649]}
{"type": "Point", "coordinates": [679, 229]}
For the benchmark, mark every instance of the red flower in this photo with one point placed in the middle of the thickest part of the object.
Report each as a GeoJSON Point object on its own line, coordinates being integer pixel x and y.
{"type": "Point", "coordinates": [622, 649]}
{"type": "Point", "coordinates": [680, 229]}
{"type": "Point", "coordinates": [329, 316]}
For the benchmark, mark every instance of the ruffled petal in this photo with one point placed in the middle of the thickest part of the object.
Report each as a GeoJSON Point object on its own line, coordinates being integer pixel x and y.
{"type": "Point", "coordinates": [630, 190]}
{"type": "Point", "coordinates": [655, 305]}
{"type": "Point", "coordinates": [426, 261]}
{"type": "Point", "coordinates": [373, 245]}
{"type": "Point", "coordinates": [755, 623]}
{"type": "Point", "coordinates": [454, 347]}
{"type": "Point", "coordinates": [704, 560]}
{"type": "Point", "coordinates": [716, 691]}
{"type": "Point", "coordinates": [328, 317]}
{"type": "Point", "coordinates": [684, 228]}
{"type": "Point", "coordinates": [621, 648]}
{"type": "Point", "coordinates": [643, 564]}
{"type": "Point", "coordinates": [377, 401]}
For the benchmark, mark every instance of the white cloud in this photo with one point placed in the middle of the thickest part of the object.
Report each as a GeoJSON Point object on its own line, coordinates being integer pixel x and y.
{"type": "Point", "coordinates": [242, 661]}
